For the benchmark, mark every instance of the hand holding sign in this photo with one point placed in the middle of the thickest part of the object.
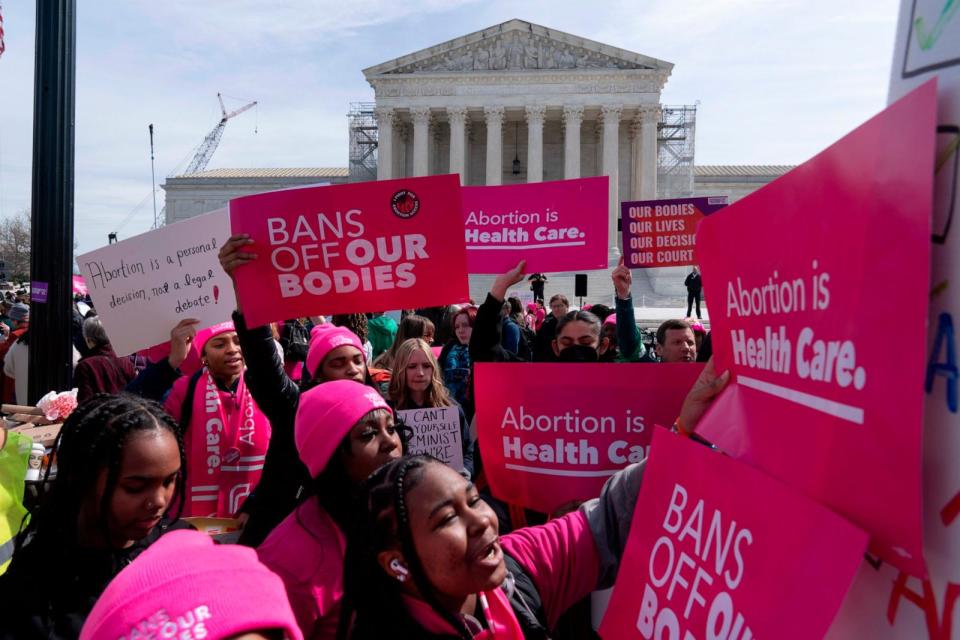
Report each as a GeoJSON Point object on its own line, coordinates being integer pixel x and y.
{"type": "Point", "coordinates": [701, 396]}
{"type": "Point", "coordinates": [181, 339]}
{"type": "Point", "coordinates": [233, 253]}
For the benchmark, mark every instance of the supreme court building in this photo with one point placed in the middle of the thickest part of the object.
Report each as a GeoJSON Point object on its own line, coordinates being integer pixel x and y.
{"type": "Point", "coordinates": [514, 103]}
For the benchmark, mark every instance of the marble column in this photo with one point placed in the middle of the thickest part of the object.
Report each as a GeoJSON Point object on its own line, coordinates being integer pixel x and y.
{"type": "Point", "coordinates": [636, 156]}
{"type": "Point", "coordinates": [611, 165]}
{"type": "Point", "coordinates": [402, 141]}
{"type": "Point", "coordinates": [421, 140]}
{"type": "Point", "coordinates": [386, 118]}
{"type": "Point", "coordinates": [572, 118]}
{"type": "Point", "coordinates": [535, 115]}
{"type": "Point", "coordinates": [494, 118]}
{"type": "Point", "coordinates": [458, 141]}
{"type": "Point", "coordinates": [647, 180]}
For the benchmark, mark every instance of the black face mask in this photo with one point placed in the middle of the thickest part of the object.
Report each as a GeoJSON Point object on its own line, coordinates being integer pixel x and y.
{"type": "Point", "coordinates": [579, 353]}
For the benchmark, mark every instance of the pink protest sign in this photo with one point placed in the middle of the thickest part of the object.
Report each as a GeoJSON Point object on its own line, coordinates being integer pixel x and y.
{"type": "Point", "coordinates": [663, 233]}
{"type": "Point", "coordinates": [79, 286]}
{"type": "Point", "coordinates": [552, 433]}
{"type": "Point", "coordinates": [554, 226]}
{"type": "Point", "coordinates": [352, 248]}
{"type": "Point", "coordinates": [720, 550]}
{"type": "Point", "coordinates": [828, 395]}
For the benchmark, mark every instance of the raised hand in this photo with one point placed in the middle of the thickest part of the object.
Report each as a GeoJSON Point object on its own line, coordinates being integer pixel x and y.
{"type": "Point", "coordinates": [622, 280]}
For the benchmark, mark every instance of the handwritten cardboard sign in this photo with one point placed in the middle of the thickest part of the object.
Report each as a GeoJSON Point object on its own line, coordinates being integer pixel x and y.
{"type": "Point", "coordinates": [554, 226]}
{"type": "Point", "coordinates": [885, 603]}
{"type": "Point", "coordinates": [143, 286]}
{"type": "Point", "coordinates": [352, 248]}
{"type": "Point", "coordinates": [819, 399]}
{"type": "Point", "coordinates": [436, 432]}
{"type": "Point", "coordinates": [552, 433]}
{"type": "Point", "coordinates": [720, 550]}
{"type": "Point", "coordinates": [663, 233]}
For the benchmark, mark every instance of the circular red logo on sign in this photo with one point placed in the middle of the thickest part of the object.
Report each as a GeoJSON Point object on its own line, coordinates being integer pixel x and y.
{"type": "Point", "coordinates": [405, 203]}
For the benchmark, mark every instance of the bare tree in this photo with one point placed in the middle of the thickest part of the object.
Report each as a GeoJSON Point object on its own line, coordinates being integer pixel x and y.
{"type": "Point", "coordinates": [15, 245]}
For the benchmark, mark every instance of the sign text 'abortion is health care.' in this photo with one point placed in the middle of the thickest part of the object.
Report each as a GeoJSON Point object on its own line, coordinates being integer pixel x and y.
{"type": "Point", "coordinates": [352, 248]}
{"type": "Point", "coordinates": [720, 551]}
{"type": "Point", "coordinates": [143, 286]}
{"type": "Point", "coordinates": [663, 233]}
{"type": "Point", "coordinates": [436, 431]}
{"type": "Point", "coordinates": [552, 433]}
{"type": "Point", "coordinates": [820, 400]}
{"type": "Point", "coordinates": [554, 226]}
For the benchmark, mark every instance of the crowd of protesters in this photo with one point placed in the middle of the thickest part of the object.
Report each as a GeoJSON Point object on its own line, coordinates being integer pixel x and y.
{"type": "Point", "coordinates": [293, 430]}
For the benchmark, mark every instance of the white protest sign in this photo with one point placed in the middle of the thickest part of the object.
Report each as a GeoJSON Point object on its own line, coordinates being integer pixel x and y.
{"type": "Point", "coordinates": [525, 297]}
{"type": "Point", "coordinates": [886, 604]}
{"type": "Point", "coordinates": [436, 431]}
{"type": "Point", "coordinates": [143, 286]}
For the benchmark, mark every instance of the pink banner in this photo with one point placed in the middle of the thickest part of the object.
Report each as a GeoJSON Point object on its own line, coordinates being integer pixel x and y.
{"type": "Point", "coordinates": [352, 248]}
{"type": "Point", "coordinates": [663, 233]}
{"type": "Point", "coordinates": [552, 433]}
{"type": "Point", "coordinates": [818, 311]}
{"type": "Point", "coordinates": [79, 286]}
{"type": "Point", "coordinates": [720, 550]}
{"type": "Point", "coordinates": [554, 226]}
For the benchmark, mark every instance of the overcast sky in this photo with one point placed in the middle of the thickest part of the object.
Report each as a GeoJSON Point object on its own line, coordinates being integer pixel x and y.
{"type": "Point", "coordinates": [777, 80]}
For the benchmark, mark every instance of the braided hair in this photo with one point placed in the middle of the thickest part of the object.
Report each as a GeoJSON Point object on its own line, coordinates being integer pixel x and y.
{"type": "Point", "coordinates": [92, 438]}
{"type": "Point", "coordinates": [372, 601]}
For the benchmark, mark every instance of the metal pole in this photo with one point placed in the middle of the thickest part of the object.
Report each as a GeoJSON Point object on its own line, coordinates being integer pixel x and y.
{"type": "Point", "coordinates": [153, 181]}
{"type": "Point", "coordinates": [51, 259]}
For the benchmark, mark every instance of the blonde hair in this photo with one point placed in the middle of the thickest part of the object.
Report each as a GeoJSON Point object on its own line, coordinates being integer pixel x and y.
{"type": "Point", "coordinates": [399, 392]}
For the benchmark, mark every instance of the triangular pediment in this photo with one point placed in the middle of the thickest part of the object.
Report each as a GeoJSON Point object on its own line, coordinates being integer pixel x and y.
{"type": "Point", "coordinates": [516, 45]}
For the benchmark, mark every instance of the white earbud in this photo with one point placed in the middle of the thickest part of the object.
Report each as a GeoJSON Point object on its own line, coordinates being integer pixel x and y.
{"type": "Point", "coordinates": [400, 569]}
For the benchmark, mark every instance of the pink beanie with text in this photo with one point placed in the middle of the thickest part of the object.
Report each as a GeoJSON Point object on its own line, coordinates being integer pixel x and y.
{"type": "Point", "coordinates": [185, 586]}
{"type": "Point", "coordinates": [325, 338]}
{"type": "Point", "coordinates": [205, 335]}
{"type": "Point", "coordinates": [325, 416]}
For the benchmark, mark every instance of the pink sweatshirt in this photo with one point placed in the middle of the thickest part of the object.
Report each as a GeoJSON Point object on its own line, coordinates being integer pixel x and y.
{"type": "Point", "coordinates": [306, 550]}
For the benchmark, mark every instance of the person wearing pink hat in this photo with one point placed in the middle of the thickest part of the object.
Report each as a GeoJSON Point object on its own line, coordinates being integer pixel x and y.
{"type": "Point", "coordinates": [427, 560]}
{"type": "Point", "coordinates": [334, 353]}
{"type": "Point", "coordinates": [344, 431]}
{"type": "Point", "coordinates": [185, 586]}
{"type": "Point", "coordinates": [117, 491]}
{"type": "Point", "coordinates": [225, 433]}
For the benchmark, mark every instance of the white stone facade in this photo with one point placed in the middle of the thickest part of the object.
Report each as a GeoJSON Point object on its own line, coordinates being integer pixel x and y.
{"type": "Point", "coordinates": [561, 105]}
{"type": "Point", "coordinates": [517, 103]}
{"type": "Point", "coordinates": [191, 195]}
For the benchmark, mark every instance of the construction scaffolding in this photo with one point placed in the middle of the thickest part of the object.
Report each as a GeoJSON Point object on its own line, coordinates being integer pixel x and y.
{"type": "Point", "coordinates": [363, 142]}
{"type": "Point", "coordinates": [676, 136]}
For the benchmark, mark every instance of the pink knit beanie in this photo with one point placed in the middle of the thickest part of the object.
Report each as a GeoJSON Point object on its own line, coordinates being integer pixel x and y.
{"type": "Point", "coordinates": [204, 335]}
{"type": "Point", "coordinates": [325, 338]}
{"type": "Point", "coordinates": [186, 586]}
{"type": "Point", "coordinates": [325, 416]}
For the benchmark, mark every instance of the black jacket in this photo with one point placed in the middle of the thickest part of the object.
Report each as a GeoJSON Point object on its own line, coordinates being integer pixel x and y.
{"type": "Point", "coordinates": [485, 340]}
{"type": "Point", "coordinates": [543, 345]}
{"type": "Point", "coordinates": [693, 283]}
{"type": "Point", "coordinates": [285, 478]}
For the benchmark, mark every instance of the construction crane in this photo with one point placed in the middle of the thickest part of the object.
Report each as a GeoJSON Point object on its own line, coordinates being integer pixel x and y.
{"type": "Point", "coordinates": [199, 162]}
{"type": "Point", "coordinates": [210, 143]}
